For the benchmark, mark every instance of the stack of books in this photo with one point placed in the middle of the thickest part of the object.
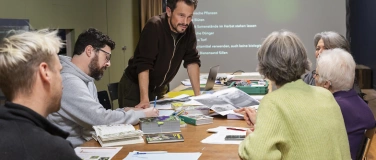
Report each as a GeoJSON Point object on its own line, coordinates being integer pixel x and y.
{"type": "Point", "coordinates": [164, 137]}
{"type": "Point", "coordinates": [196, 119]}
{"type": "Point", "coordinates": [162, 124]}
{"type": "Point", "coordinates": [117, 135]}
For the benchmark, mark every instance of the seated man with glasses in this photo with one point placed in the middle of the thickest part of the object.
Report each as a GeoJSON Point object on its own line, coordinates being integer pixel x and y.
{"type": "Point", "coordinates": [336, 71]}
{"type": "Point", "coordinates": [80, 107]}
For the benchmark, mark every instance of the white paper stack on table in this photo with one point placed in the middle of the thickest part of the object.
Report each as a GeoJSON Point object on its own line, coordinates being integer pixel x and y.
{"type": "Point", "coordinates": [224, 102]}
{"type": "Point", "coordinates": [233, 96]}
{"type": "Point", "coordinates": [117, 135]}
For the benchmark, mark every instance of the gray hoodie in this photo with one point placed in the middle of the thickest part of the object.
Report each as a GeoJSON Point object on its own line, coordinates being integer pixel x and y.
{"type": "Point", "coordinates": [80, 107]}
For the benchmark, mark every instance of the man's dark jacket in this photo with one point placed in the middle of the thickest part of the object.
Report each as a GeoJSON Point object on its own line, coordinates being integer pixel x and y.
{"type": "Point", "coordinates": [24, 134]}
{"type": "Point", "coordinates": [161, 54]}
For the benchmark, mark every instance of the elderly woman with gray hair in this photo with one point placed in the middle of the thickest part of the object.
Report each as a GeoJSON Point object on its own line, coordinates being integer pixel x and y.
{"type": "Point", "coordinates": [297, 121]}
{"type": "Point", "coordinates": [329, 40]}
{"type": "Point", "coordinates": [336, 71]}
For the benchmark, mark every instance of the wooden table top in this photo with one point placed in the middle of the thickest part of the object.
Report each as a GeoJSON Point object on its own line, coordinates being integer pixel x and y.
{"type": "Point", "coordinates": [192, 142]}
{"type": "Point", "coordinates": [192, 139]}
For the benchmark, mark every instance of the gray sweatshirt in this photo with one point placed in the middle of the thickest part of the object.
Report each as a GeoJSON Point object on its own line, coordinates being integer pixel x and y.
{"type": "Point", "coordinates": [80, 107]}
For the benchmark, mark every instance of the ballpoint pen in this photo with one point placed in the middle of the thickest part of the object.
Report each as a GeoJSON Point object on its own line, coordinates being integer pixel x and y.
{"type": "Point", "coordinates": [155, 101]}
{"type": "Point", "coordinates": [236, 129]}
{"type": "Point", "coordinates": [152, 152]}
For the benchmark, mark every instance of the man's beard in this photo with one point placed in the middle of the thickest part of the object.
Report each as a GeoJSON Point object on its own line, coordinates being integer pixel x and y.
{"type": "Point", "coordinates": [176, 28]}
{"type": "Point", "coordinates": [96, 72]}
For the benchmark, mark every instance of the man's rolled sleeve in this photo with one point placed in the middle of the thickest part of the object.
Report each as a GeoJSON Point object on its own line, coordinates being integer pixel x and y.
{"type": "Point", "coordinates": [192, 55]}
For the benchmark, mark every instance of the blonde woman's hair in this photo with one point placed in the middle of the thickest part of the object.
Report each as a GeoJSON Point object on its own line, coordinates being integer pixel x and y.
{"type": "Point", "coordinates": [20, 56]}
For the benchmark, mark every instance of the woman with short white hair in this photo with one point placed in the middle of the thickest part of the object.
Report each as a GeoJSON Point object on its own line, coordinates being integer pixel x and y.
{"type": "Point", "coordinates": [336, 71]}
{"type": "Point", "coordinates": [297, 121]}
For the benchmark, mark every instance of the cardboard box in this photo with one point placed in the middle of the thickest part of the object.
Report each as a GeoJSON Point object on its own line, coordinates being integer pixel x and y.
{"type": "Point", "coordinates": [363, 75]}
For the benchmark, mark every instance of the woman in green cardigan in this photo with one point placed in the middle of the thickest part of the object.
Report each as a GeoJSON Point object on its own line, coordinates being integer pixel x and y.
{"type": "Point", "coordinates": [297, 121]}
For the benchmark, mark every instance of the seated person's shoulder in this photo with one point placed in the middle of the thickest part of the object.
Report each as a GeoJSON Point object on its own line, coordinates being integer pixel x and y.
{"type": "Point", "coordinates": [55, 146]}
{"type": "Point", "coordinates": [321, 90]}
{"type": "Point", "coordinates": [23, 141]}
{"type": "Point", "coordinates": [303, 89]}
{"type": "Point", "coordinates": [69, 77]}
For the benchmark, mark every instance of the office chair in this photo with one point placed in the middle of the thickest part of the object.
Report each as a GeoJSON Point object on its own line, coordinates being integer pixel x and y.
{"type": "Point", "coordinates": [365, 145]}
{"type": "Point", "coordinates": [113, 91]}
{"type": "Point", "coordinates": [104, 100]}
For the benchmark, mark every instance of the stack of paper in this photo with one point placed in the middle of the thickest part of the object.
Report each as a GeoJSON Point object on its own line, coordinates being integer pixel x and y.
{"type": "Point", "coordinates": [117, 134]}
{"type": "Point", "coordinates": [160, 155]}
{"type": "Point", "coordinates": [230, 96]}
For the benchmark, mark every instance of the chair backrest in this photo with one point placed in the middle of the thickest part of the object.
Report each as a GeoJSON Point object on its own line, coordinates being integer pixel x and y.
{"type": "Point", "coordinates": [113, 90]}
{"type": "Point", "coordinates": [104, 99]}
{"type": "Point", "coordinates": [365, 145]}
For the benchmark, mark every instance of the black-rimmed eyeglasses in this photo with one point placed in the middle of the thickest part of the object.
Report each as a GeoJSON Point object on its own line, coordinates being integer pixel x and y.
{"type": "Point", "coordinates": [108, 56]}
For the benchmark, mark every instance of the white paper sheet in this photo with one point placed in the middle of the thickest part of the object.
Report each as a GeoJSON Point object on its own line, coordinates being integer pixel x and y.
{"type": "Point", "coordinates": [192, 103]}
{"type": "Point", "coordinates": [219, 138]}
{"type": "Point", "coordinates": [231, 112]}
{"type": "Point", "coordinates": [223, 109]}
{"type": "Point", "coordinates": [166, 112]}
{"type": "Point", "coordinates": [257, 97]}
{"type": "Point", "coordinates": [224, 129]}
{"type": "Point", "coordinates": [233, 96]}
{"type": "Point", "coordinates": [162, 106]}
{"type": "Point", "coordinates": [187, 82]}
{"type": "Point", "coordinates": [163, 156]}
{"type": "Point", "coordinates": [96, 153]}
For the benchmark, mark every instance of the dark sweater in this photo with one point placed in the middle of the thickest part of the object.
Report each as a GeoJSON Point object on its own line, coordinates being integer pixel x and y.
{"type": "Point", "coordinates": [161, 54]}
{"type": "Point", "coordinates": [24, 134]}
{"type": "Point", "coordinates": [357, 116]}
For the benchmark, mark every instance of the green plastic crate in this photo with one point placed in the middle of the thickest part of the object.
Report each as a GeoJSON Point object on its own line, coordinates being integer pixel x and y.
{"type": "Point", "coordinates": [254, 88]}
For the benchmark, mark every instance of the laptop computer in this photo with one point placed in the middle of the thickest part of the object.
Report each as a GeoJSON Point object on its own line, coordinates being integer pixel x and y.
{"type": "Point", "coordinates": [211, 79]}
